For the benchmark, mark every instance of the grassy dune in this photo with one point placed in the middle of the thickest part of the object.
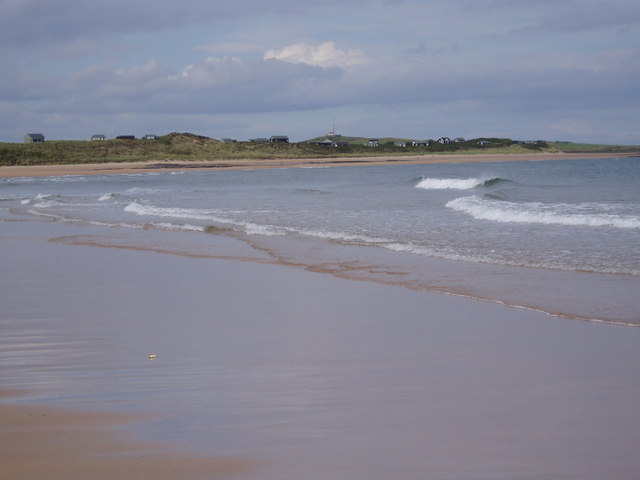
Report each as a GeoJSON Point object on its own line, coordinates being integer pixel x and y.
{"type": "Point", "coordinates": [186, 146]}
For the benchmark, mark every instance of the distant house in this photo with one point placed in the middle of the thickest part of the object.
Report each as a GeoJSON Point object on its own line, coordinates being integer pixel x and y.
{"type": "Point", "coordinates": [482, 143]}
{"type": "Point", "coordinates": [150, 136]}
{"type": "Point", "coordinates": [34, 138]}
{"type": "Point", "coordinates": [400, 144]}
{"type": "Point", "coordinates": [444, 140]}
{"type": "Point", "coordinates": [98, 137]}
{"type": "Point", "coordinates": [279, 139]}
{"type": "Point", "coordinates": [342, 144]}
{"type": "Point", "coordinates": [420, 143]}
{"type": "Point", "coordinates": [126, 137]}
{"type": "Point", "coordinates": [458, 140]}
{"type": "Point", "coordinates": [373, 142]}
{"type": "Point", "coordinates": [326, 143]}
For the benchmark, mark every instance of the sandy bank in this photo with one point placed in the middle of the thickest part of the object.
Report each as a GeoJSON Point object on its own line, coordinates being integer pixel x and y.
{"type": "Point", "coordinates": [39, 442]}
{"type": "Point", "coordinates": [177, 165]}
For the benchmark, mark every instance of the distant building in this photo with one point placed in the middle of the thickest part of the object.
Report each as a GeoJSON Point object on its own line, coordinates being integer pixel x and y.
{"type": "Point", "coordinates": [150, 136]}
{"type": "Point", "coordinates": [279, 139]}
{"type": "Point", "coordinates": [34, 138]}
{"type": "Point", "coordinates": [326, 143]}
{"type": "Point", "coordinates": [458, 140]}
{"type": "Point", "coordinates": [342, 144]}
{"type": "Point", "coordinates": [482, 143]}
{"type": "Point", "coordinates": [259, 140]}
{"type": "Point", "coordinates": [98, 137]}
{"type": "Point", "coordinates": [400, 144]}
{"type": "Point", "coordinates": [373, 142]}
{"type": "Point", "coordinates": [126, 137]}
{"type": "Point", "coordinates": [420, 143]}
{"type": "Point", "coordinates": [444, 140]}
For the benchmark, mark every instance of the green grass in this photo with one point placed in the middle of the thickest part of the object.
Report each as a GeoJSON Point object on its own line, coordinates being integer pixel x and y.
{"type": "Point", "coordinates": [189, 147]}
{"type": "Point", "coordinates": [570, 147]}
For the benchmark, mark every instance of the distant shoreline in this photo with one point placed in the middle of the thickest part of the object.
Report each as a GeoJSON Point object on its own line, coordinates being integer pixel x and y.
{"type": "Point", "coordinates": [254, 164]}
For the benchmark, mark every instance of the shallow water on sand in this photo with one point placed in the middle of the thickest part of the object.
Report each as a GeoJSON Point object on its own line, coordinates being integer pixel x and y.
{"type": "Point", "coordinates": [319, 376]}
{"type": "Point", "coordinates": [556, 236]}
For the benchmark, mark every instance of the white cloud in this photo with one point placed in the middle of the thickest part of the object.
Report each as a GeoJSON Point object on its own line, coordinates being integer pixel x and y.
{"type": "Point", "coordinates": [324, 55]}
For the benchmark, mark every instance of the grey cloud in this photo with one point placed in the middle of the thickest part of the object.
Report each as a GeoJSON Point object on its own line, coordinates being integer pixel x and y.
{"type": "Point", "coordinates": [27, 22]}
{"type": "Point", "coordinates": [212, 86]}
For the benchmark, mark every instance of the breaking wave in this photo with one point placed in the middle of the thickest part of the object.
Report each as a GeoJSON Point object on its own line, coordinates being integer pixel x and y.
{"type": "Point", "coordinates": [458, 183]}
{"type": "Point", "coordinates": [108, 196]}
{"type": "Point", "coordinates": [201, 215]}
{"type": "Point", "coordinates": [585, 214]}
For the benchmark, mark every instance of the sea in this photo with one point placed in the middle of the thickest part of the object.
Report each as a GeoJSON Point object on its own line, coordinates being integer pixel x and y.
{"type": "Point", "coordinates": [460, 321]}
{"type": "Point", "coordinates": [560, 237]}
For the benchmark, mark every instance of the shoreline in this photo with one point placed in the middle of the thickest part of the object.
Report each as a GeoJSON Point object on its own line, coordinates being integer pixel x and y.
{"type": "Point", "coordinates": [115, 168]}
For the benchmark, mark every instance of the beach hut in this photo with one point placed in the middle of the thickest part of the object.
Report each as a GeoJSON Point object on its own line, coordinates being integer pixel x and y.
{"type": "Point", "coordinates": [34, 138]}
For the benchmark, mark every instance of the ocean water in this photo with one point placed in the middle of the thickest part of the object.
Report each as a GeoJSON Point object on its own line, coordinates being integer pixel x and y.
{"type": "Point", "coordinates": [561, 237]}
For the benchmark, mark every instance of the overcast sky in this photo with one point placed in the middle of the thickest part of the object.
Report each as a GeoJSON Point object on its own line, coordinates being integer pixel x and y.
{"type": "Point", "coordinates": [524, 69]}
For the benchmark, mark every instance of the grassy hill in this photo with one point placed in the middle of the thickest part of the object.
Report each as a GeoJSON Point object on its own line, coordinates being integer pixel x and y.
{"type": "Point", "coordinates": [187, 146]}
{"type": "Point", "coordinates": [570, 147]}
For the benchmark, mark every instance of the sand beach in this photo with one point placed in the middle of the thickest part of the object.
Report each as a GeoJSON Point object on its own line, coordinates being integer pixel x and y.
{"type": "Point", "coordinates": [151, 166]}
{"type": "Point", "coordinates": [263, 369]}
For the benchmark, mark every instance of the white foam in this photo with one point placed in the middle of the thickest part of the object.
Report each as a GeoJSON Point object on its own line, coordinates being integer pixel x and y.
{"type": "Point", "coordinates": [587, 215]}
{"type": "Point", "coordinates": [340, 236]}
{"type": "Point", "coordinates": [450, 183]}
{"type": "Point", "coordinates": [108, 196]}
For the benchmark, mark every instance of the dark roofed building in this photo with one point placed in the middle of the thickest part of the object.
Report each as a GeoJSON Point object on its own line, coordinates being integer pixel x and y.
{"type": "Point", "coordinates": [279, 139]}
{"type": "Point", "coordinates": [34, 138]}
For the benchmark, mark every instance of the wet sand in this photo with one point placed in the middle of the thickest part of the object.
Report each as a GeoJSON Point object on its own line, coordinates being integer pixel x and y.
{"type": "Point", "coordinates": [40, 442]}
{"type": "Point", "coordinates": [151, 166]}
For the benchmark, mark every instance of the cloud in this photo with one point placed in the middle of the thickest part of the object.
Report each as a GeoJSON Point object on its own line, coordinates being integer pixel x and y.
{"type": "Point", "coordinates": [324, 55]}
{"type": "Point", "coordinates": [37, 21]}
{"type": "Point", "coordinates": [229, 47]}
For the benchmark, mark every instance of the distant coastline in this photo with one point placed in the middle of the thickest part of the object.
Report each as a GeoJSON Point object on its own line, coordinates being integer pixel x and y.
{"type": "Point", "coordinates": [260, 163]}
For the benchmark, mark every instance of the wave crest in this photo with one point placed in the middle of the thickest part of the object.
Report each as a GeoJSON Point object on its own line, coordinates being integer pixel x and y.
{"type": "Point", "coordinates": [586, 215]}
{"type": "Point", "coordinates": [458, 183]}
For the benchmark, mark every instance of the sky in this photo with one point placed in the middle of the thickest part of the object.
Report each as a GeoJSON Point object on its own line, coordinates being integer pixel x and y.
{"type": "Point", "coordinates": [564, 70]}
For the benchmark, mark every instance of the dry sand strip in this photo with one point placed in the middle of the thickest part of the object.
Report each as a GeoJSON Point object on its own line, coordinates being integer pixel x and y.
{"type": "Point", "coordinates": [38, 443]}
{"type": "Point", "coordinates": [177, 165]}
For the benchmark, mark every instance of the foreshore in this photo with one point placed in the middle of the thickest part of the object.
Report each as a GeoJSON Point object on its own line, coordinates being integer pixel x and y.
{"type": "Point", "coordinates": [248, 164]}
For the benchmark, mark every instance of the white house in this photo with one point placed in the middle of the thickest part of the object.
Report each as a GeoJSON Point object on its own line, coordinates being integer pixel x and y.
{"type": "Point", "coordinates": [34, 138]}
